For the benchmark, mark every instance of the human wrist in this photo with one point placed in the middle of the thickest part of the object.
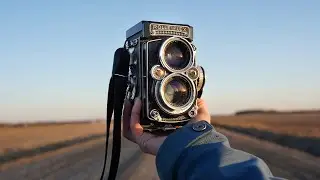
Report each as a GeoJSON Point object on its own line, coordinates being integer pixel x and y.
{"type": "Point", "coordinates": [194, 120]}
{"type": "Point", "coordinates": [176, 143]}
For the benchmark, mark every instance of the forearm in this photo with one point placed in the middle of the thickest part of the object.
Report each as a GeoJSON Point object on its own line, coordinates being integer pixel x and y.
{"type": "Point", "coordinates": [197, 152]}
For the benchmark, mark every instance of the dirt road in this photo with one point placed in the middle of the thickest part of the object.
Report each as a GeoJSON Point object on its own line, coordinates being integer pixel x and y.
{"type": "Point", "coordinates": [85, 162]}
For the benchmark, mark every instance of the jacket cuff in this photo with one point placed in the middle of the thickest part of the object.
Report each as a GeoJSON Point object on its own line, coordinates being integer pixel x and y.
{"type": "Point", "coordinates": [175, 143]}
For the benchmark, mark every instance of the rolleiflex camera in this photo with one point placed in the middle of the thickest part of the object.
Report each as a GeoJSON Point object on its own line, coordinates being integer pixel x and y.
{"type": "Point", "coordinates": [158, 65]}
{"type": "Point", "coordinates": [164, 73]}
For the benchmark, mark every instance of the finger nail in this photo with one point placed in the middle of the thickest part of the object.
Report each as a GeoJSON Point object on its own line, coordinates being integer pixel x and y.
{"type": "Point", "coordinates": [137, 99]}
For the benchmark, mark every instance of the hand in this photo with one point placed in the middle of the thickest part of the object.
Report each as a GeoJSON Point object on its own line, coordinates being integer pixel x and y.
{"type": "Point", "coordinates": [150, 143]}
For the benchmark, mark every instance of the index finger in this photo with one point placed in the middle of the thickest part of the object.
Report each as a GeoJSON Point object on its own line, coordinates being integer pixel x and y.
{"type": "Point", "coordinates": [135, 126]}
{"type": "Point", "coordinates": [135, 113]}
{"type": "Point", "coordinates": [126, 117]}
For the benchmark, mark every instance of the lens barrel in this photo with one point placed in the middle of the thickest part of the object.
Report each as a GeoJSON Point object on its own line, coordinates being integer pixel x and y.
{"type": "Point", "coordinates": [176, 54]}
{"type": "Point", "coordinates": [176, 93]}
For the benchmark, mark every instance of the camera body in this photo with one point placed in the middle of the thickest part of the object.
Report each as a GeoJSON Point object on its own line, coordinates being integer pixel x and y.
{"type": "Point", "coordinates": [164, 74]}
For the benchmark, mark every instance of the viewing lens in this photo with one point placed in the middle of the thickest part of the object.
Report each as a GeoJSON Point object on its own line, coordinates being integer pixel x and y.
{"type": "Point", "coordinates": [177, 92]}
{"type": "Point", "coordinates": [177, 55]}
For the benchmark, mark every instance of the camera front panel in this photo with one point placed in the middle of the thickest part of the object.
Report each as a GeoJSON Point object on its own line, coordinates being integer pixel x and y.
{"type": "Point", "coordinates": [163, 73]}
{"type": "Point", "coordinates": [170, 83]}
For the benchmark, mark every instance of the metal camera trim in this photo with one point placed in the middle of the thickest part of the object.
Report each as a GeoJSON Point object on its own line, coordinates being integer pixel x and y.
{"type": "Point", "coordinates": [201, 78]}
{"type": "Point", "coordinates": [152, 72]}
{"type": "Point", "coordinates": [165, 106]}
{"type": "Point", "coordinates": [164, 46]}
{"type": "Point", "coordinates": [193, 110]}
{"type": "Point", "coordinates": [197, 71]}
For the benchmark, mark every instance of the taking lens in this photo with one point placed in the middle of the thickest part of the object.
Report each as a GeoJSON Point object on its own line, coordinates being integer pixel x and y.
{"type": "Point", "coordinates": [177, 92]}
{"type": "Point", "coordinates": [177, 55]}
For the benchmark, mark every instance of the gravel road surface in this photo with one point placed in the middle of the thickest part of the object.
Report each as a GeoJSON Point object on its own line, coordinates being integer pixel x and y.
{"type": "Point", "coordinates": [84, 161]}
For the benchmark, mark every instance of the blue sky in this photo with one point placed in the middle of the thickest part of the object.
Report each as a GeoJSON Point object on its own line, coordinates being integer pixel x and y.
{"type": "Point", "coordinates": [56, 56]}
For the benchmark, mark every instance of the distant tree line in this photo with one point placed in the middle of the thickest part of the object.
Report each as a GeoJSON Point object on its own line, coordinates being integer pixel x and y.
{"type": "Point", "coordinates": [261, 111]}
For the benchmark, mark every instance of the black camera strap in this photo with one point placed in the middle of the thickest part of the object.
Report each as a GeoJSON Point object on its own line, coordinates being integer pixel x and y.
{"type": "Point", "coordinates": [116, 95]}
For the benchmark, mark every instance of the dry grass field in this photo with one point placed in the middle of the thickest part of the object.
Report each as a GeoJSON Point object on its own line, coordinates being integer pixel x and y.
{"type": "Point", "coordinates": [303, 125]}
{"type": "Point", "coordinates": [22, 138]}
{"type": "Point", "coordinates": [73, 161]}
{"type": "Point", "coordinates": [299, 131]}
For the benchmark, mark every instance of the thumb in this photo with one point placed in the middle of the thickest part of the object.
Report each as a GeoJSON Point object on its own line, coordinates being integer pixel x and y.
{"type": "Point", "coordinates": [203, 112]}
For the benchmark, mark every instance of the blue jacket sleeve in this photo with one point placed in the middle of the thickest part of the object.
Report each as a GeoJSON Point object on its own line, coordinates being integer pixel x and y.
{"type": "Point", "coordinates": [197, 151]}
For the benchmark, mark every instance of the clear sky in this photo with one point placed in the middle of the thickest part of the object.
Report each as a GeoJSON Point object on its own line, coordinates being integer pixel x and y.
{"type": "Point", "coordinates": [56, 56]}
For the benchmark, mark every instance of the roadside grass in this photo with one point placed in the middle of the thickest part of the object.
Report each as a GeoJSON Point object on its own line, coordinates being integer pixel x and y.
{"type": "Point", "coordinates": [298, 131]}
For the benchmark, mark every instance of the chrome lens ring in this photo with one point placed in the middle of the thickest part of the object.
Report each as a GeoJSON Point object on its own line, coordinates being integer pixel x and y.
{"type": "Point", "coordinates": [157, 72]}
{"type": "Point", "coordinates": [184, 42]}
{"type": "Point", "coordinates": [166, 106]}
{"type": "Point", "coordinates": [201, 79]}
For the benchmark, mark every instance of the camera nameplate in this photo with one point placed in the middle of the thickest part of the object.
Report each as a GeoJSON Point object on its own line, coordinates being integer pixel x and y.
{"type": "Point", "coordinates": [159, 29]}
{"type": "Point", "coordinates": [145, 30]}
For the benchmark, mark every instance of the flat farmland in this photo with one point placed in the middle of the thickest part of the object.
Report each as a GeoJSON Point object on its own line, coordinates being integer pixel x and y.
{"type": "Point", "coordinates": [19, 138]}
{"type": "Point", "coordinates": [304, 125]}
{"type": "Point", "coordinates": [299, 131]}
{"type": "Point", "coordinates": [84, 159]}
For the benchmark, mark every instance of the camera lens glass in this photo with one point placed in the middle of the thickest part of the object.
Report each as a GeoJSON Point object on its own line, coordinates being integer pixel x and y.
{"type": "Point", "coordinates": [177, 55]}
{"type": "Point", "coordinates": [177, 91]}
